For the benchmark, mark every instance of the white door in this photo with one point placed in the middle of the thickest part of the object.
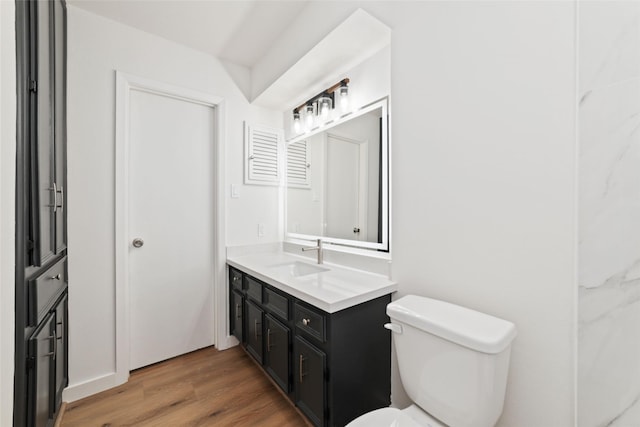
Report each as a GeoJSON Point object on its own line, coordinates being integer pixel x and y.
{"type": "Point", "coordinates": [346, 191]}
{"type": "Point", "coordinates": [171, 211]}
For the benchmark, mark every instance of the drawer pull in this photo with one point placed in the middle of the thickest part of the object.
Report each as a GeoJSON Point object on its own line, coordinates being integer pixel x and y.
{"type": "Point", "coordinates": [300, 370]}
{"type": "Point", "coordinates": [306, 321]}
{"type": "Point", "coordinates": [56, 277]}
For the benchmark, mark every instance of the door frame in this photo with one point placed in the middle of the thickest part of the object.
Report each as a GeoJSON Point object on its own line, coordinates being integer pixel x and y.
{"type": "Point", "coordinates": [125, 83]}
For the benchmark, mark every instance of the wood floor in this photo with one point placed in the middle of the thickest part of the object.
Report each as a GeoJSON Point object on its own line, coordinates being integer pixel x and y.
{"type": "Point", "coordinates": [204, 388]}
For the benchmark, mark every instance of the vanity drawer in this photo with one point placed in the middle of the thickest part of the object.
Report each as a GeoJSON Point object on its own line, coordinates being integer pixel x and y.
{"type": "Point", "coordinates": [254, 289]}
{"type": "Point", "coordinates": [277, 303]}
{"type": "Point", "coordinates": [45, 289]}
{"type": "Point", "coordinates": [310, 321]}
{"type": "Point", "coordinates": [235, 278]}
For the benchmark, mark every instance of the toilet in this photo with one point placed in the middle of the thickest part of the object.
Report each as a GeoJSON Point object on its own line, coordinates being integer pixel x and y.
{"type": "Point", "coordinates": [453, 365]}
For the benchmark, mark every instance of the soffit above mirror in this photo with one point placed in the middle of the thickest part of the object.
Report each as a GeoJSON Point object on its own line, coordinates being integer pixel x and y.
{"type": "Point", "coordinates": [357, 38]}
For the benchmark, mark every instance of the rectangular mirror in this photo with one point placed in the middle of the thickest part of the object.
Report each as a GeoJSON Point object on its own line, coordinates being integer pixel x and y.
{"type": "Point", "coordinates": [337, 181]}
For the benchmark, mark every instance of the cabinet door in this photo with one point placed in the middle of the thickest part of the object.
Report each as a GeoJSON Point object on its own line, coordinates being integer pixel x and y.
{"type": "Point", "coordinates": [236, 308]}
{"type": "Point", "coordinates": [309, 374]}
{"type": "Point", "coordinates": [61, 349]}
{"type": "Point", "coordinates": [277, 355]}
{"type": "Point", "coordinates": [253, 339]}
{"type": "Point", "coordinates": [43, 193]}
{"type": "Point", "coordinates": [60, 121]}
{"type": "Point", "coordinates": [42, 352]}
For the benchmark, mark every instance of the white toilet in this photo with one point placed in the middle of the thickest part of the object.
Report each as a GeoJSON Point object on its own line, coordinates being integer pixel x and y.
{"type": "Point", "coordinates": [453, 364]}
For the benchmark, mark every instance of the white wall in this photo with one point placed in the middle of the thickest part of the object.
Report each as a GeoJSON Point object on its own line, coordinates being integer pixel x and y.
{"type": "Point", "coordinates": [98, 47]}
{"type": "Point", "coordinates": [484, 164]}
{"type": "Point", "coordinates": [609, 268]}
{"type": "Point", "coordinates": [7, 207]}
{"type": "Point", "coordinates": [483, 180]}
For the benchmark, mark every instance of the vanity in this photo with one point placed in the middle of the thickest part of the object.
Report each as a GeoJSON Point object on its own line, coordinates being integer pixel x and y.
{"type": "Point", "coordinates": [316, 330]}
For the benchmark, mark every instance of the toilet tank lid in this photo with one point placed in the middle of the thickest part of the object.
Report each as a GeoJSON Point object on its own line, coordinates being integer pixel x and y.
{"type": "Point", "coordinates": [461, 325]}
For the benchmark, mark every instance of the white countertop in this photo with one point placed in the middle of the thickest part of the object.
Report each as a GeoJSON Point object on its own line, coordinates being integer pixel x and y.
{"type": "Point", "coordinates": [333, 290]}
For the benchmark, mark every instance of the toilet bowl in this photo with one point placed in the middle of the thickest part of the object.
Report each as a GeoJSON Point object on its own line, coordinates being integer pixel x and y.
{"type": "Point", "coordinates": [392, 417]}
{"type": "Point", "coordinates": [453, 364]}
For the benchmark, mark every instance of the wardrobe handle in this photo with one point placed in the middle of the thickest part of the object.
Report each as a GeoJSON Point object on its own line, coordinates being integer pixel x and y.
{"type": "Point", "coordinates": [61, 205]}
{"type": "Point", "coordinates": [55, 197]}
{"type": "Point", "coordinates": [52, 354]}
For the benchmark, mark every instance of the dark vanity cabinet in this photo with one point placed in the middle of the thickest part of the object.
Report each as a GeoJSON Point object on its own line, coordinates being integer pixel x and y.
{"type": "Point", "coordinates": [278, 351]}
{"type": "Point", "coordinates": [310, 369]}
{"type": "Point", "coordinates": [253, 342]}
{"type": "Point", "coordinates": [333, 366]}
{"type": "Point", "coordinates": [41, 313]}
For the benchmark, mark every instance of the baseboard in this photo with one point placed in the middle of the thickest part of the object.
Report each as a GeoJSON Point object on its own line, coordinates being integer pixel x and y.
{"type": "Point", "coordinates": [63, 408]}
{"type": "Point", "coordinates": [228, 342]}
{"type": "Point", "coordinates": [90, 387]}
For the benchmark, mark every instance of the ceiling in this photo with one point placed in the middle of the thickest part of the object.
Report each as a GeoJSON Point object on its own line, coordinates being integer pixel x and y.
{"type": "Point", "coordinates": [238, 31]}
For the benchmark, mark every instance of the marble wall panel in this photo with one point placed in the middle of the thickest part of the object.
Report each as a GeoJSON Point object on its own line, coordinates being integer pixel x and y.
{"type": "Point", "coordinates": [609, 214]}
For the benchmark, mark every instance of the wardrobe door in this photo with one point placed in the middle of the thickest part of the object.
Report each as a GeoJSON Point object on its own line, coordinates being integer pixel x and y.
{"type": "Point", "coordinates": [43, 192]}
{"type": "Point", "coordinates": [42, 352]}
{"type": "Point", "coordinates": [62, 346]}
{"type": "Point", "coordinates": [60, 121]}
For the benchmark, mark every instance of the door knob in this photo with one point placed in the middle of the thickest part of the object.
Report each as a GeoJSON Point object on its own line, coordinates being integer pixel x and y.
{"type": "Point", "coordinates": [138, 242]}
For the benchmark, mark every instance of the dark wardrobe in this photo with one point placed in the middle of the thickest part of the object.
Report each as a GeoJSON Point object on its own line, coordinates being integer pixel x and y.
{"type": "Point", "coordinates": [41, 213]}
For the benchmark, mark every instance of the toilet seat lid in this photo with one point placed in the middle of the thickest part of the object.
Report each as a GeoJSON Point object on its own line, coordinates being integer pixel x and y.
{"type": "Point", "coordinates": [392, 417]}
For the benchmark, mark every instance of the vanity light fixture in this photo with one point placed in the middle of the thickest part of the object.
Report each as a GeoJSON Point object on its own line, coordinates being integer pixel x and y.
{"type": "Point", "coordinates": [321, 105]}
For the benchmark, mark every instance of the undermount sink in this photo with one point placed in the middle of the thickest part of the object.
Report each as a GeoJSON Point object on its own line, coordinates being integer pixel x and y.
{"type": "Point", "coordinates": [297, 268]}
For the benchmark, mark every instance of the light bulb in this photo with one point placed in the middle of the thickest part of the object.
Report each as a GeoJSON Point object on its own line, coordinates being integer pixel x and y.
{"type": "Point", "coordinates": [308, 117]}
{"type": "Point", "coordinates": [325, 107]}
{"type": "Point", "coordinates": [297, 127]}
{"type": "Point", "coordinates": [344, 97]}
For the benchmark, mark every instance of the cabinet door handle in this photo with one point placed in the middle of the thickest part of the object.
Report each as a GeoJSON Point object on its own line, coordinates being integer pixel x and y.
{"type": "Point", "coordinates": [54, 338]}
{"type": "Point", "coordinates": [55, 197]}
{"type": "Point", "coordinates": [61, 205]}
{"type": "Point", "coordinates": [300, 372]}
{"type": "Point", "coordinates": [269, 339]}
{"type": "Point", "coordinates": [255, 328]}
{"type": "Point", "coordinates": [238, 312]}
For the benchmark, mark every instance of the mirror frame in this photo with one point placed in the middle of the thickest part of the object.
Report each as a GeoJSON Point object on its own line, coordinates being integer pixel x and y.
{"type": "Point", "coordinates": [384, 245]}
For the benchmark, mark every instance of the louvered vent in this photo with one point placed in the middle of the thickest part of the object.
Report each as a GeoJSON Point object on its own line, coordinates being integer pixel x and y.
{"type": "Point", "coordinates": [263, 157]}
{"type": "Point", "coordinates": [298, 165]}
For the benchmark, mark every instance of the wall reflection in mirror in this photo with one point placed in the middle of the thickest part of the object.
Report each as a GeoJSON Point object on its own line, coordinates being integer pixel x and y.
{"type": "Point", "coordinates": [337, 181]}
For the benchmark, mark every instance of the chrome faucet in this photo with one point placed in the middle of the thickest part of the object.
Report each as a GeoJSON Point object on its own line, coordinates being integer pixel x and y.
{"type": "Point", "coordinates": [316, 248]}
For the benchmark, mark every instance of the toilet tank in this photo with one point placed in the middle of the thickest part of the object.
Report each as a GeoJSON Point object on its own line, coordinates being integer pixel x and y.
{"type": "Point", "coordinates": [453, 361]}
